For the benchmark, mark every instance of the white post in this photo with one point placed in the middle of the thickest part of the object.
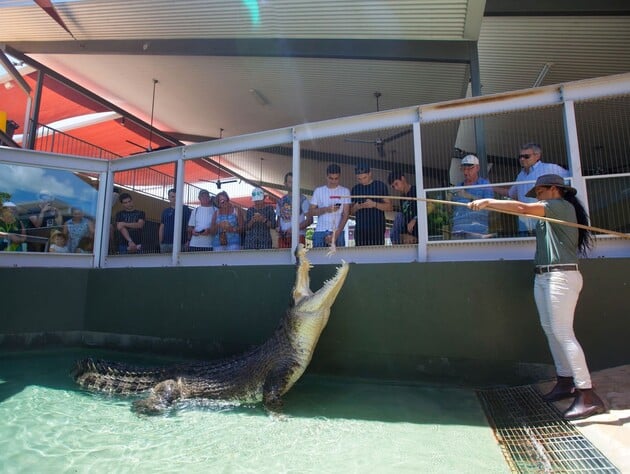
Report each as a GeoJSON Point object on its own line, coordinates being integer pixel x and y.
{"type": "Point", "coordinates": [573, 149]}
{"type": "Point", "coordinates": [179, 210]}
{"type": "Point", "coordinates": [103, 217]}
{"type": "Point", "coordinates": [423, 230]}
{"type": "Point", "coordinates": [296, 205]}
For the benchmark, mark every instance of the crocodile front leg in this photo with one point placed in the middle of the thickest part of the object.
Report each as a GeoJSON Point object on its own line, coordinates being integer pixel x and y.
{"type": "Point", "coordinates": [162, 397]}
{"type": "Point", "coordinates": [275, 386]}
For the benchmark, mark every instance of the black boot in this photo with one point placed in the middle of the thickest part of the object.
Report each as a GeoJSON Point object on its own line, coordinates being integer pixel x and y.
{"type": "Point", "coordinates": [586, 404]}
{"type": "Point", "coordinates": [564, 388]}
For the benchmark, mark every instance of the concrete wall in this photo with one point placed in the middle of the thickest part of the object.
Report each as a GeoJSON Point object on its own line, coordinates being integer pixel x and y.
{"type": "Point", "coordinates": [470, 320]}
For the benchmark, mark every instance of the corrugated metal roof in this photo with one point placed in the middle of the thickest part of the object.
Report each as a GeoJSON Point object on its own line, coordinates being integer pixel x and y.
{"type": "Point", "coordinates": [201, 94]}
{"type": "Point", "coordinates": [513, 50]}
{"type": "Point", "coordinates": [166, 19]}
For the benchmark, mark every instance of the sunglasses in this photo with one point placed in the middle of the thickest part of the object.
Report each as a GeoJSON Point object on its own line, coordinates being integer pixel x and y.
{"type": "Point", "coordinates": [524, 156]}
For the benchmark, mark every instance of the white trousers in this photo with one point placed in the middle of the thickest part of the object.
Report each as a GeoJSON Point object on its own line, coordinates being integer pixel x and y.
{"type": "Point", "coordinates": [556, 295]}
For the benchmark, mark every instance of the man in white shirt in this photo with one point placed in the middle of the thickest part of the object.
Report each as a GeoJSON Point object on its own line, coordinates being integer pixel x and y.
{"type": "Point", "coordinates": [530, 159]}
{"type": "Point", "coordinates": [332, 212]}
{"type": "Point", "coordinates": [199, 224]}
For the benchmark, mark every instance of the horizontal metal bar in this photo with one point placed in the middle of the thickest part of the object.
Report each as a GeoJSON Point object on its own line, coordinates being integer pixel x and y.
{"type": "Point", "coordinates": [618, 84]}
{"type": "Point", "coordinates": [20, 156]}
{"type": "Point", "coordinates": [240, 143]}
{"type": "Point", "coordinates": [357, 123]}
{"type": "Point", "coordinates": [153, 158]}
{"type": "Point", "coordinates": [379, 49]}
{"type": "Point", "coordinates": [491, 104]}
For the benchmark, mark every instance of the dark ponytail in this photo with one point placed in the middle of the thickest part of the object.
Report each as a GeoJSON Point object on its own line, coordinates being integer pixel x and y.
{"type": "Point", "coordinates": [585, 237]}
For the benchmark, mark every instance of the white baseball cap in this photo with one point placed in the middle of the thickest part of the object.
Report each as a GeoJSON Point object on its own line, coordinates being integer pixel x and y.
{"type": "Point", "coordinates": [258, 194]}
{"type": "Point", "coordinates": [469, 160]}
{"type": "Point", "coordinates": [45, 195]}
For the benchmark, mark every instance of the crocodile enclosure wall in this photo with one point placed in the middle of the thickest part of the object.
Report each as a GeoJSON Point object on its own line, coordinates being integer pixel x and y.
{"type": "Point", "coordinates": [474, 322]}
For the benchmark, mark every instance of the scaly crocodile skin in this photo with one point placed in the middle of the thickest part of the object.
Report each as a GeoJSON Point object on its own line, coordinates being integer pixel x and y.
{"type": "Point", "coordinates": [264, 373]}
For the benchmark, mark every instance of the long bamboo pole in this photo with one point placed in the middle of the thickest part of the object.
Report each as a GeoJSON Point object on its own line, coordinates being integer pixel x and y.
{"type": "Point", "coordinates": [455, 203]}
{"type": "Point", "coordinates": [29, 238]}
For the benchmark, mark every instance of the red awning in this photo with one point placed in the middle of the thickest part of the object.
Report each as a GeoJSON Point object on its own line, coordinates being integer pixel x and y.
{"type": "Point", "coordinates": [119, 136]}
{"type": "Point", "coordinates": [59, 102]}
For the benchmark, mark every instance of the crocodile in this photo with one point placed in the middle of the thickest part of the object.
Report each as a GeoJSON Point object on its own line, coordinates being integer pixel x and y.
{"type": "Point", "coordinates": [263, 374]}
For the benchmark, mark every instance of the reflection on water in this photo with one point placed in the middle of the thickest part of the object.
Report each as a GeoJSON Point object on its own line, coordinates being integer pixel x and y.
{"type": "Point", "coordinates": [332, 425]}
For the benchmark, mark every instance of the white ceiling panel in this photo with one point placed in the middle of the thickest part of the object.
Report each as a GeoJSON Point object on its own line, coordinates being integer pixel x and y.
{"type": "Point", "coordinates": [203, 94]}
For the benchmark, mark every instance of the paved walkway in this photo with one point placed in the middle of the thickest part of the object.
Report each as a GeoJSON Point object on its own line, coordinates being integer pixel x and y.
{"type": "Point", "coordinates": [609, 432]}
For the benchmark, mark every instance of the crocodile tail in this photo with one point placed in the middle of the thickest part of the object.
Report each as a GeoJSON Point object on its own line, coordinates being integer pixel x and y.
{"type": "Point", "coordinates": [113, 377]}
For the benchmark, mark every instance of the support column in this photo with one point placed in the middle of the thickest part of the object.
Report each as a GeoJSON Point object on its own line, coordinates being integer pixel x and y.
{"type": "Point", "coordinates": [296, 205]}
{"type": "Point", "coordinates": [32, 126]}
{"type": "Point", "coordinates": [475, 88]}
{"type": "Point", "coordinates": [573, 149]}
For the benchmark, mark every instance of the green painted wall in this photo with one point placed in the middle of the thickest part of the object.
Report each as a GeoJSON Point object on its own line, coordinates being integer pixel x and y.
{"type": "Point", "coordinates": [227, 307]}
{"type": "Point", "coordinates": [42, 300]}
{"type": "Point", "coordinates": [466, 319]}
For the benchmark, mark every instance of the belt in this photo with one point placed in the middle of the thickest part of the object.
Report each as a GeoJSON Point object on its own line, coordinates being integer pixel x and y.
{"type": "Point", "coordinates": [569, 267]}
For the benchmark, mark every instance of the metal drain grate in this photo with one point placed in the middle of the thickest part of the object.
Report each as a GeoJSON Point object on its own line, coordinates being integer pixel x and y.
{"type": "Point", "coordinates": [535, 438]}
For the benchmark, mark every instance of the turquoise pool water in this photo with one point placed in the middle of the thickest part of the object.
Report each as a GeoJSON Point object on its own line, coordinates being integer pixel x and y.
{"type": "Point", "coordinates": [332, 425]}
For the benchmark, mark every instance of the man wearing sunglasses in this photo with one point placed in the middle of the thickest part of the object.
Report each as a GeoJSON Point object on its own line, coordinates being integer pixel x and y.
{"type": "Point", "coordinates": [532, 168]}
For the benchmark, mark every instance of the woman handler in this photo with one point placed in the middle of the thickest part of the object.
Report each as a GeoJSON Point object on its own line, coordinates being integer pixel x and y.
{"type": "Point", "coordinates": [557, 285]}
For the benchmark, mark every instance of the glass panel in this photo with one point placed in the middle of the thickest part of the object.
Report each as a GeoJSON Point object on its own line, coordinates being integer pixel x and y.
{"type": "Point", "coordinates": [517, 146]}
{"type": "Point", "coordinates": [507, 134]}
{"type": "Point", "coordinates": [47, 210]}
{"type": "Point", "coordinates": [140, 197]}
{"type": "Point", "coordinates": [604, 135]}
{"type": "Point", "coordinates": [609, 203]}
{"type": "Point", "coordinates": [238, 212]}
{"type": "Point", "coordinates": [348, 180]}
{"type": "Point", "coordinates": [450, 219]}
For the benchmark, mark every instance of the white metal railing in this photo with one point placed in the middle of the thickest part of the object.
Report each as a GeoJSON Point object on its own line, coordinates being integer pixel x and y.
{"type": "Point", "coordinates": [564, 95]}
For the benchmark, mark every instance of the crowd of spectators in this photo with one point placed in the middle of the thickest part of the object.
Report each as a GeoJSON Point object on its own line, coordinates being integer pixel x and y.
{"type": "Point", "coordinates": [43, 227]}
{"type": "Point", "coordinates": [218, 224]}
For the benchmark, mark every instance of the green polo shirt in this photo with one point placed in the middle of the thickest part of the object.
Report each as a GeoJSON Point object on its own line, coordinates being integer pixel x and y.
{"type": "Point", "coordinates": [556, 243]}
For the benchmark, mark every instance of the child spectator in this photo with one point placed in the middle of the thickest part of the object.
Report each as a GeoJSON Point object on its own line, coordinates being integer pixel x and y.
{"type": "Point", "coordinates": [57, 243]}
{"type": "Point", "coordinates": [86, 245]}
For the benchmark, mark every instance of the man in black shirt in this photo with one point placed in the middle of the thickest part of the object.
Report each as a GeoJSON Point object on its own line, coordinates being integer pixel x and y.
{"type": "Point", "coordinates": [407, 231]}
{"type": "Point", "coordinates": [369, 212]}
{"type": "Point", "coordinates": [166, 232]}
{"type": "Point", "coordinates": [129, 224]}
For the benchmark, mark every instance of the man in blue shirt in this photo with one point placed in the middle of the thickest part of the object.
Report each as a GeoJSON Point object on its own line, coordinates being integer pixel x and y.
{"type": "Point", "coordinates": [468, 224]}
{"type": "Point", "coordinates": [530, 157]}
{"type": "Point", "coordinates": [166, 232]}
